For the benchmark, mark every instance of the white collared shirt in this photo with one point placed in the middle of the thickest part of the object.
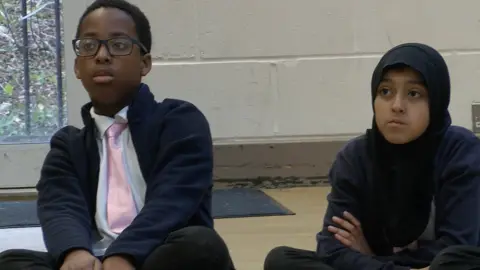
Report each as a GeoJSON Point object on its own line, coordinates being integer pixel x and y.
{"type": "Point", "coordinates": [131, 165]}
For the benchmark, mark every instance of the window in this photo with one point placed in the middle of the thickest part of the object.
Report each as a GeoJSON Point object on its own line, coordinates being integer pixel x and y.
{"type": "Point", "coordinates": [32, 94]}
{"type": "Point", "coordinates": [32, 99]}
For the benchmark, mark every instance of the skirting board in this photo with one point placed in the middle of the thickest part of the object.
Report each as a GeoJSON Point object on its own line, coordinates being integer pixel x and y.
{"type": "Point", "coordinates": [274, 165]}
{"type": "Point", "coordinates": [260, 165]}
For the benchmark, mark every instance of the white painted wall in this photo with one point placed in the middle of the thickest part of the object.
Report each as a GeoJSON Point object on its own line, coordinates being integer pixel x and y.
{"type": "Point", "coordinates": [280, 69]}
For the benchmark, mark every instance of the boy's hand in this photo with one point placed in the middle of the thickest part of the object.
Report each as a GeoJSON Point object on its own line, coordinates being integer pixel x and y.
{"type": "Point", "coordinates": [81, 260]}
{"type": "Point", "coordinates": [117, 263]}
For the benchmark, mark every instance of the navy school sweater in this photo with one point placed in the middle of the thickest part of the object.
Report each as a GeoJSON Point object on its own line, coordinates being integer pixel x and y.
{"type": "Point", "coordinates": [174, 147]}
{"type": "Point", "coordinates": [456, 198]}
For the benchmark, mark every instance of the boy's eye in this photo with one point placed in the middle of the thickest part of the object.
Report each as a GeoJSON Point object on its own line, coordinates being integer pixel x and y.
{"type": "Point", "coordinates": [87, 45]}
{"type": "Point", "coordinates": [120, 45]}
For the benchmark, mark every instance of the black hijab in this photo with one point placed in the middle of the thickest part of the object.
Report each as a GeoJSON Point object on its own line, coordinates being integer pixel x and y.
{"type": "Point", "coordinates": [402, 184]}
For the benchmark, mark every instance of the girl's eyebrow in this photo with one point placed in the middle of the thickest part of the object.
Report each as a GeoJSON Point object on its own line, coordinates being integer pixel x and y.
{"type": "Point", "coordinates": [386, 79]}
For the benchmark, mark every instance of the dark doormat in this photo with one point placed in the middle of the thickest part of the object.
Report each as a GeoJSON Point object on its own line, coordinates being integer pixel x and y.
{"type": "Point", "coordinates": [227, 203]}
{"type": "Point", "coordinates": [246, 202]}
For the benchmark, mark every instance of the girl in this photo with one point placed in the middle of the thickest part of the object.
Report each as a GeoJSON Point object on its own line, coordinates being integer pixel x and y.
{"type": "Point", "coordinates": [406, 189]}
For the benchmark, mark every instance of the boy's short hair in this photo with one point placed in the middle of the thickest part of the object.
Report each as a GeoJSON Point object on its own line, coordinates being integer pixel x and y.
{"type": "Point", "coordinates": [142, 25]}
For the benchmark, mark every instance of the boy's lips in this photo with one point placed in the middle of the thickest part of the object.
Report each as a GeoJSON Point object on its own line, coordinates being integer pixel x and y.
{"type": "Point", "coordinates": [102, 76]}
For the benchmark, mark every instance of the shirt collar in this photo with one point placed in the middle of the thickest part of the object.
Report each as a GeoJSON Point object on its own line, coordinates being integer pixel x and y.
{"type": "Point", "coordinates": [104, 122]}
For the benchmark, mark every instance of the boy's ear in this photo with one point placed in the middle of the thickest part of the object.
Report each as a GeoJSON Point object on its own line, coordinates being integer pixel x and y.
{"type": "Point", "coordinates": [146, 64]}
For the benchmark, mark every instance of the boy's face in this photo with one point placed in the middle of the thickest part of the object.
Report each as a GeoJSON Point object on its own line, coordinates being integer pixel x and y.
{"type": "Point", "coordinates": [402, 106]}
{"type": "Point", "coordinates": [110, 79]}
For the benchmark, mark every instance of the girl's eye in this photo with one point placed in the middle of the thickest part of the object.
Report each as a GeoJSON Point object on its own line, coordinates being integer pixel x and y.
{"type": "Point", "coordinates": [414, 93]}
{"type": "Point", "coordinates": [384, 91]}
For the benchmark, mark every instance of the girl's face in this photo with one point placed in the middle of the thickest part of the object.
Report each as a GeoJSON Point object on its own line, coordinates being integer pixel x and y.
{"type": "Point", "coordinates": [401, 106]}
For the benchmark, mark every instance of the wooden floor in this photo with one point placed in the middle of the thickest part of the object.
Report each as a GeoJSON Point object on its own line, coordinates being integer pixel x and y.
{"type": "Point", "coordinates": [249, 239]}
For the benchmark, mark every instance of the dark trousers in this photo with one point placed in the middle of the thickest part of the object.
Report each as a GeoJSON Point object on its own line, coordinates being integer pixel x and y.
{"type": "Point", "coordinates": [457, 258]}
{"type": "Point", "coordinates": [287, 258]}
{"type": "Point", "coordinates": [451, 258]}
{"type": "Point", "coordinates": [188, 248]}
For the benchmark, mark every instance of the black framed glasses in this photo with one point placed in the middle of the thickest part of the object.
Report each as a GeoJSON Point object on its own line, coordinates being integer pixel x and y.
{"type": "Point", "coordinates": [118, 46]}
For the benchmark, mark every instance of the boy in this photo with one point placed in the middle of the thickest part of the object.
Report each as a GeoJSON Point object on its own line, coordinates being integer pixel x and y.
{"type": "Point", "coordinates": [139, 173]}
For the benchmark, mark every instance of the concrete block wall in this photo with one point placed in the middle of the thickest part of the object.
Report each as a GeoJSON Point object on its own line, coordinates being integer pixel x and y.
{"type": "Point", "coordinates": [280, 70]}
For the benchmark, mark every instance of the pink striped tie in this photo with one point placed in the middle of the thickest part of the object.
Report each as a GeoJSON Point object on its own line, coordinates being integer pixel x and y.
{"type": "Point", "coordinates": [120, 205]}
